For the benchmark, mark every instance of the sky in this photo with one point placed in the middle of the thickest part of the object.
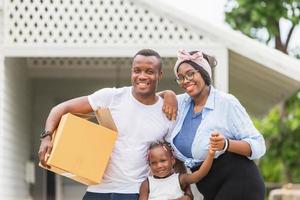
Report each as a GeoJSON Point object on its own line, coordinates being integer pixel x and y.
{"type": "Point", "coordinates": [210, 10]}
{"type": "Point", "coordinates": [213, 11]}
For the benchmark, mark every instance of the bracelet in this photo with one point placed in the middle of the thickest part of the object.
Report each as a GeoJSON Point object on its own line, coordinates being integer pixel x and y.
{"type": "Point", "coordinates": [228, 143]}
{"type": "Point", "coordinates": [225, 145]}
{"type": "Point", "coordinates": [45, 134]}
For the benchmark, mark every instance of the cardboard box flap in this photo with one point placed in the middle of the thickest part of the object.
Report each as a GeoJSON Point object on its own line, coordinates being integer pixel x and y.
{"type": "Point", "coordinates": [69, 175]}
{"type": "Point", "coordinates": [105, 119]}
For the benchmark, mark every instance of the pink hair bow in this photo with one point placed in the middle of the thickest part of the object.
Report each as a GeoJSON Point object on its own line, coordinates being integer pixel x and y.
{"type": "Point", "coordinates": [183, 55]}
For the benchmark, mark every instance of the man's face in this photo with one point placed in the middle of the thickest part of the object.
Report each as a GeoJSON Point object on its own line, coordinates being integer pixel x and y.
{"type": "Point", "coordinates": [145, 74]}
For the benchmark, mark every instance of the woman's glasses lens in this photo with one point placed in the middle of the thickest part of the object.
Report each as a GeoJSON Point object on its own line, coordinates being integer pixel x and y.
{"type": "Point", "coordinates": [188, 76]}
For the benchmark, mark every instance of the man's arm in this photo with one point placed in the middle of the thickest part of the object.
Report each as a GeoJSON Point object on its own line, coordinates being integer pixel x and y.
{"type": "Point", "coordinates": [77, 105]}
{"type": "Point", "coordinates": [170, 106]}
{"type": "Point", "coordinates": [144, 190]}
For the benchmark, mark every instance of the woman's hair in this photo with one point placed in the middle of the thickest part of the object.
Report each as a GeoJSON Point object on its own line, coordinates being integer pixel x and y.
{"type": "Point", "coordinates": [165, 145]}
{"type": "Point", "coordinates": [211, 61]}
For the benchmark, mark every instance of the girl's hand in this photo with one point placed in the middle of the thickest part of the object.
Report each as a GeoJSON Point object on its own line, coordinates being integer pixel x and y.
{"type": "Point", "coordinates": [217, 141]}
{"type": "Point", "coordinates": [211, 152]}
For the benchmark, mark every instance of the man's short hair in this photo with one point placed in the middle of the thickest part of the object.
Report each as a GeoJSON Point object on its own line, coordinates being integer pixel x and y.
{"type": "Point", "coordinates": [150, 52]}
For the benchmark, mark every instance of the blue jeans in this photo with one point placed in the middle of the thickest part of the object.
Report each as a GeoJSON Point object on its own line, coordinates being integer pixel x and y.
{"type": "Point", "coordinates": [109, 196]}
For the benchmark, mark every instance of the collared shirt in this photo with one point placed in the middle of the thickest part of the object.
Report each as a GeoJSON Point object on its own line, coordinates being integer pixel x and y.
{"type": "Point", "coordinates": [223, 113]}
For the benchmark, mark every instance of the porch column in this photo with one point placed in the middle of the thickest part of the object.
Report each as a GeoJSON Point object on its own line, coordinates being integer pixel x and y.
{"type": "Point", "coordinates": [221, 71]}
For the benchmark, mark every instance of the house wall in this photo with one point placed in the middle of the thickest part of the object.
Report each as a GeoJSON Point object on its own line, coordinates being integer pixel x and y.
{"type": "Point", "coordinates": [1, 23]}
{"type": "Point", "coordinates": [48, 92]}
{"type": "Point", "coordinates": [15, 130]}
{"type": "Point", "coordinates": [1, 89]}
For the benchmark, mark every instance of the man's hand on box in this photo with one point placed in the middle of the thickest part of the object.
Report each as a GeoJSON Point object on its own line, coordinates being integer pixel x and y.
{"type": "Point", "coordinates": [45, 150]}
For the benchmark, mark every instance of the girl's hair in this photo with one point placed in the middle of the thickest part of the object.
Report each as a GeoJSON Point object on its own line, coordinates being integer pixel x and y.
{"type": "Point", "coordinates": [165, 145]}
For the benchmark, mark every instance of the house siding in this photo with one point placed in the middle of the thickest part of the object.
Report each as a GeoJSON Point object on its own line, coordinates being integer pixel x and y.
{"type": "Point", "coordinates": [15, 129]}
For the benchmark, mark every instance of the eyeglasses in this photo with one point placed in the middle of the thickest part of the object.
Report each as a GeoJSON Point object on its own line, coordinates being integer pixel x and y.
{"type": "Point", "coordinates": [188, 76]}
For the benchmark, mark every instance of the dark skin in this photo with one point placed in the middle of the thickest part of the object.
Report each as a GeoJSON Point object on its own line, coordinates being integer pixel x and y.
{"type": "Point", "coordinates": [199, 92]}
{"type": "Point", "coordinates": [178, 168]}
{"type": "Point", "coordinates": [145, 75]}
{"type": "Point", "coordinates": [162, 164]}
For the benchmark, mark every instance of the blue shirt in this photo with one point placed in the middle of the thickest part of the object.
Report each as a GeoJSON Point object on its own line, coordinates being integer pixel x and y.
{"type": "Point", "coordinates": [223, 113]}
{"type": "Point", "coordinates": [184, 139]}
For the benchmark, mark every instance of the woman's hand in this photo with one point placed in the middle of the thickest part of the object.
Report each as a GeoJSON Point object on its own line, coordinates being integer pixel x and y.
{"type": "Point", "coordinates": [217, 141]}
{"type": "Point", "coordinates": [170, 106]}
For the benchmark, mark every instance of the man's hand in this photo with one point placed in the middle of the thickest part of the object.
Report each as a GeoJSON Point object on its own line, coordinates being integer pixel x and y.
{"type": "Point", "coordinates": [170, 106]}
{"type": "Point", "coordinates": [45, 150]}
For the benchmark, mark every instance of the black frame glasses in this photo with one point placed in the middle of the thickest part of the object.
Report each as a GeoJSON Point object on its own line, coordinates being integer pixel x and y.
{"type": "Point", "coordinates": [188, 76]}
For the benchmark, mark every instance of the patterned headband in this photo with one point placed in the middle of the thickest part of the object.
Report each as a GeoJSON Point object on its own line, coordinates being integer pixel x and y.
{"type": "Point", "coordinates": [197, 58]}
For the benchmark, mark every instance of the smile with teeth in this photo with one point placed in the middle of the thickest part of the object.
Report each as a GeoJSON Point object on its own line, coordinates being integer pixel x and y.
{"type": "Point", "coordinates": [143, 83]}
{"type": "Point", "coordinates": [189, 87]}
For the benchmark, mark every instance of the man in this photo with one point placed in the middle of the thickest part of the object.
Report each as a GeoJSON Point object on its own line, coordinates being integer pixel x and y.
{"type": "Point", "coordinates": [137, 113]}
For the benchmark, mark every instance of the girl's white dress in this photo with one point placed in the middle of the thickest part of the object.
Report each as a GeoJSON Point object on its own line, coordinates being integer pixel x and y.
{"type": "Point", "coordinates": [165, 188]}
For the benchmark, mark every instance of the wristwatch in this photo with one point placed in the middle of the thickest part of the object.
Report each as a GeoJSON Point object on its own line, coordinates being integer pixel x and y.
{"type": "Point", "coordinates": [45, 134]}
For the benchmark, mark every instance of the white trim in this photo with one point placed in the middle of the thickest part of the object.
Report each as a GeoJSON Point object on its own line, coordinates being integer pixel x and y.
{"type": "Point", "coordinates": [233, 40]}
{"type": "Point", "coordinates": [2, 181]}
{"type": "Point", "coordinates": [95, 51]}
{"type": "Point", "coordinates": [221, 75]}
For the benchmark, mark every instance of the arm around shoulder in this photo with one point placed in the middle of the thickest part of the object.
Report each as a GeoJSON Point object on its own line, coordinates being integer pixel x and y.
{"type": "Point", "coordinates": [170, 106]}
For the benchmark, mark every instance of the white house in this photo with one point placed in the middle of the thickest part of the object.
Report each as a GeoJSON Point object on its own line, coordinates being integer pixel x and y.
{"type": "Point", "coordinates": [54, 50]}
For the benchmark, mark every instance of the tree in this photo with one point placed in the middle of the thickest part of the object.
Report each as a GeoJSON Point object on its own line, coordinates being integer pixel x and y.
{"type": "Point", "coordinates": [282, 136]}
{"type": "Point", "coordinates": [261, 19]}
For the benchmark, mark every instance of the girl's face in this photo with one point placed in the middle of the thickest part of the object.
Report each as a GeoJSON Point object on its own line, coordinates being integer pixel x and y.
{"type": "Point", "coordinates": [161, 162]}
{"type": "Point", "coordinates": [193, 83]}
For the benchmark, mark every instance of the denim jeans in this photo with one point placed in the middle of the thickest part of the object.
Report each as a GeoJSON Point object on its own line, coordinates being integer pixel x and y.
{"type": "Point", "coordinates": [109, 196]}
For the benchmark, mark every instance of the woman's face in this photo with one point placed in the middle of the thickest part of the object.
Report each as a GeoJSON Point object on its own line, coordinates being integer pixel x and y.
{"type": "Point", "coordinates": [193, 83]}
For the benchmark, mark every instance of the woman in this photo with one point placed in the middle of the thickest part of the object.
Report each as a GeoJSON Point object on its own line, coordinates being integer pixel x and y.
{"type": "Point", "coordinates": [208, 116]}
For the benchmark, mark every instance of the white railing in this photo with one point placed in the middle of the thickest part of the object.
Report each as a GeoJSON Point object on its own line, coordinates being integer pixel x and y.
{"type": "Point", "coordinates": [50, 24]}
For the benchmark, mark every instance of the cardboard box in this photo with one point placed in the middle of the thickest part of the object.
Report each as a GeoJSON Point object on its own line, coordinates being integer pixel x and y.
{"type": "Point", "coordinates": [81, 149]}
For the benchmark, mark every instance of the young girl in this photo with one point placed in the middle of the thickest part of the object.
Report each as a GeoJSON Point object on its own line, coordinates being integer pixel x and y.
{"type": "Point", "coordinates": [165, 183]}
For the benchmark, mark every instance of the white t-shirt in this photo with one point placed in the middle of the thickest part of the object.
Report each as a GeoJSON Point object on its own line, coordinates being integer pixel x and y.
{"type": "Point", "coordinates": [165, 188]}
{"type": "Point", "coordinates": [138, 125]}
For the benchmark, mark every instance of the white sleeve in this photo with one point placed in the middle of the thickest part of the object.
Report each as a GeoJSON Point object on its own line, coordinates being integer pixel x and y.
{"type": "Point", "coordinates": [172, 125]}
{"type": "Point", "coordinates": [102, 98]}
